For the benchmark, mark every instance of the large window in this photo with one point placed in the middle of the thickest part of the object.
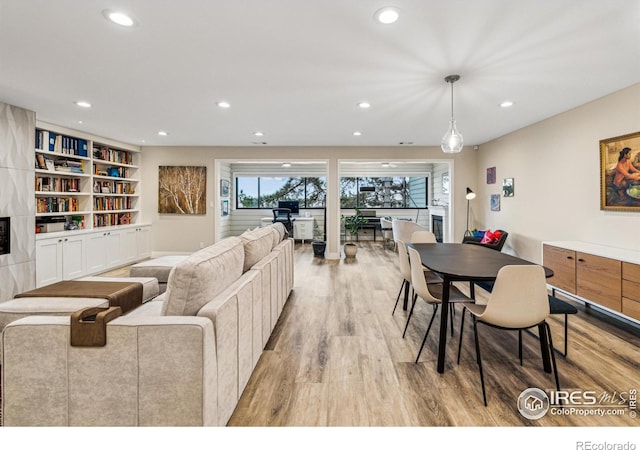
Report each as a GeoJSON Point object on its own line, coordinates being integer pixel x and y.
{"type": "Point", "coordinates": [311, 192]}
{"type": "Point", "coordinates": [264, 192]}
{"type": "Point", "coordinates": [383, 192]}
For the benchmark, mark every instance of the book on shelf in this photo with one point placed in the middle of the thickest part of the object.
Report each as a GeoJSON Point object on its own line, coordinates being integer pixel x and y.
{"type": "Point", "coordinates": [70, 166]}
{"type": "Point", "coordinates": [40, 162]}
{"type": "Point", "coordinates": [65, 145]}
{"type": "Point", "coordinates": [112, 155]}
{"type": "Point", "coordinates": [45, 140]}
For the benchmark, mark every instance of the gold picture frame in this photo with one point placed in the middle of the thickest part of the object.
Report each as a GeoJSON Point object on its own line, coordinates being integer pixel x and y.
{"type": "Point", "coordinates": [620, 173]}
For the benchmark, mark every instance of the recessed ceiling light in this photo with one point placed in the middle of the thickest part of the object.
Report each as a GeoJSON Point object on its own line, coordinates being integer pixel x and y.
{"type": "Point", "coordinates": [364, 105]}
{"type": "Point", "coordinates": [357, 133]}
{"type": "Point", "coordinates": [119, 18]}
{"type": "Point", "coordinates": [387, 15]}
{"type": "Point", "coordinates": [286, 164]}
{"type": "Point", "coordinates": [162, 133]}
{"type": "Point", "coordinates": [506, 104]}
{"type": "Point", "coordinates": [224, 104]}
{"type": "Point", "coordinates": [406, 143]}
{"type": "Point", "coordinates": [258, 133]}
{"type": "Point", "coordinates": [83, 104]}
{"type": "Point", "coordinates": [259, 143]}
{"type": "Point", "coordinates": [80, 122]}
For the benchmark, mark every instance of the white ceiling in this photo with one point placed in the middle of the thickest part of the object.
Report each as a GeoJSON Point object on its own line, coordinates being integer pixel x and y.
{"type": "Point", "coordinates": [296, 69]}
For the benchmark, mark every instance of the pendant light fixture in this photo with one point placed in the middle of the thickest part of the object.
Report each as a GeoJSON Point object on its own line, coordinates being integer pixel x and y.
{"type": "Point", "coordinates": [452, 141]}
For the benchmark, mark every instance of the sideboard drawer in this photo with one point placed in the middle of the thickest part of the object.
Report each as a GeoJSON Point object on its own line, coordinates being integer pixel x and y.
{"type": "Point", "coordinates": [631, 290]}
{"type": "Point", "coordinates": [631, 308]}
{"type": "Point", "coordinates": [631, 272]}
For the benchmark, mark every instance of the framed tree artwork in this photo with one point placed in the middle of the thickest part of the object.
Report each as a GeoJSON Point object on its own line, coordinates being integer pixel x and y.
{"type": "Point", "coordinates": [620, 173]}
{"type": "Point", "coordinates": [182, 189]}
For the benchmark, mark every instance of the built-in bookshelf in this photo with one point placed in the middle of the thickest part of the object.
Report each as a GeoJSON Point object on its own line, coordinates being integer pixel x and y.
{"type": "Point", "coordinates": [84, 182]}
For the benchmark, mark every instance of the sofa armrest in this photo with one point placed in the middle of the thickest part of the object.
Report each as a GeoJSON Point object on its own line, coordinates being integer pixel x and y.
{"type": "Point", "coordinates": [154, 371]}
{"type": "Point", "coordinates": [236, 314]}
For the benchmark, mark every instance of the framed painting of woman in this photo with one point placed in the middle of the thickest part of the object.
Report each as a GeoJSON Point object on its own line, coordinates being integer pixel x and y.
{"type": "Point", "coordinates": [620, 173]}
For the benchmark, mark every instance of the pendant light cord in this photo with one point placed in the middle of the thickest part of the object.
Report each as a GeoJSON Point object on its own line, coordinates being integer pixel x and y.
{"type": "Point", "coordinates": [451, 99]}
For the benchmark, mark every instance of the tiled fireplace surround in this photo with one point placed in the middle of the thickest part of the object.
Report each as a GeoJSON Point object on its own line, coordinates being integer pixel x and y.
{"type": "Point", "coordinates": [17, 269]}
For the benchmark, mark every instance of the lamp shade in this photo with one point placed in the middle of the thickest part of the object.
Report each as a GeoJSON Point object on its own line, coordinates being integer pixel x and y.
{"type": "Point", "coordinates": [470, 194]}
{"type": "Point", "coordinates": [452, 141]}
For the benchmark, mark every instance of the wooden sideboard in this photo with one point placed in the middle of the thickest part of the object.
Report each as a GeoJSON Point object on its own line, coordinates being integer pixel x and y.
{"type": "Point", "coordinates": [598, 274]}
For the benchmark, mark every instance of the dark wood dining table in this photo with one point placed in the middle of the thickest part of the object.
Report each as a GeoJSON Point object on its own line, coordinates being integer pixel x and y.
{"type": "Point", "coordinates": [468, 262]}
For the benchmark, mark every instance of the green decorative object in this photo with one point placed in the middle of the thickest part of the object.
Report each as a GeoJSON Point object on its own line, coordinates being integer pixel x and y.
{"type": "Point", "coordinates": [353, 223]}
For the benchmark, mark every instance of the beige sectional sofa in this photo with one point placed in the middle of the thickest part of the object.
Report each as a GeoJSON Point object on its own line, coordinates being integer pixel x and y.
{"type": "Point", "coordinates": [182, 359]}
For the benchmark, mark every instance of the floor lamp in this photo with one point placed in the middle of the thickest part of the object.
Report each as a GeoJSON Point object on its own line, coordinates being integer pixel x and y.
{"type": "Point", "coordinates": [470, 196]}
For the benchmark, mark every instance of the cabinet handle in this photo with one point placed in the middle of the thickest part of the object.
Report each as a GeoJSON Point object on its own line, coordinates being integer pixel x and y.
{"type": "Point", "coordinates": [569, 257]}
{"type": "Point", "coordinates": [59, 240]}
{"type": "Point", "coordinates": [580, 260]}
{"type": "Point", "coordinates": [66, 239]}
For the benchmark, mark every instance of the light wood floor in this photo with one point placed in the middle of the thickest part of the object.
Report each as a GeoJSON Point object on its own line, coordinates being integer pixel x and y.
{"type": "Point", "coordinates": [337, 358]}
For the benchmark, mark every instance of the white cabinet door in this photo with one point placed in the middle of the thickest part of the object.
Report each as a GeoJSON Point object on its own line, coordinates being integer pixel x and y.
{"type": "Point", "coordinates": [73, 257]}
{"type": "Point", "coordinates": [48, 261]}
{"type": "Point", "coordinates": [144, 242]}
{"type": "Point", "coordinates": [96, 252]}
{"type": "Point", "coordinates": [114, 253]}
{"type": "Point", "coordinates": [129, 245]}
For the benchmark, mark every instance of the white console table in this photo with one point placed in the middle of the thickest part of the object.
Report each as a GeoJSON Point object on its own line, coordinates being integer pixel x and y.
{"type": "Point", "coordinates": [302, 227]}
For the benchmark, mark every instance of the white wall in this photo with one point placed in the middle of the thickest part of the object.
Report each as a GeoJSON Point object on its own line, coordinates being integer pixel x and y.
{"type": "Point", "coordinates": [184, 233]}
{"type": "Point", "coordinates": [556, 167]}
{"type": "Point", "coordinates": [175, 232]}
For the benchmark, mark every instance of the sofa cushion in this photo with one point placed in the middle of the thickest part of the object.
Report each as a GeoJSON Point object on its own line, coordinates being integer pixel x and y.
{"type": "Point", "coordinates": [158, 268]}
{"type": "Point", "coordinates": [282, 231]}
{"type": "Point", "coordinates": [200, 277]}
{"type": "Point", "coordinates": [257, 244]}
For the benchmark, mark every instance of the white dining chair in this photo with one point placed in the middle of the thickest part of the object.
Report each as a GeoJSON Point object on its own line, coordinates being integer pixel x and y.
{"type": "Point", "coordinates": [403, 229]}
{"type": "Point", "coordinates": [430, 293]}
{"type": "Point", "coordinates": [386, 227]}
{"type": "Point", "coordinates": [423, 237]}
{"type": "Point", "coordinates": [518, 301]}
{"type": "Point", "coordinates": [405, 270]}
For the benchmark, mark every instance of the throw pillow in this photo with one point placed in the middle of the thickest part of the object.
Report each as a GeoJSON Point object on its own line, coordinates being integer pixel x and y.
{"type": "Point", "coordinates": [487, 238]}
